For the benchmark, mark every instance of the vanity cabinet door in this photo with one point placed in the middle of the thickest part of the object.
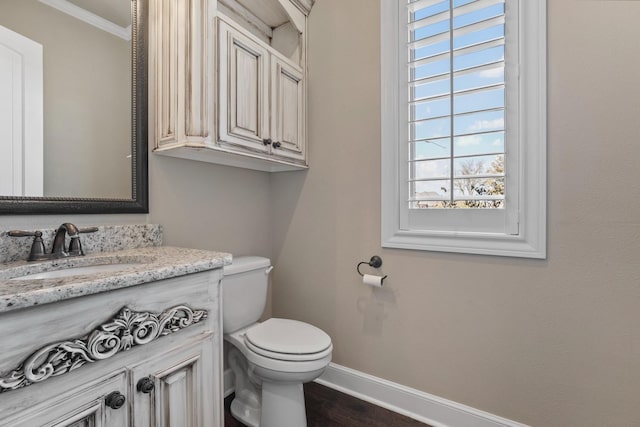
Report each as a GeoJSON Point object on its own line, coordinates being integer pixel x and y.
{"type": "Point", "coordinates": [243, 108]}
{"type": "Point", "coordinates": [287, 110]}
{"type": "Point", "coordinates": [173, 390]}
{"type": "Point", "coordinates": [104, 403]}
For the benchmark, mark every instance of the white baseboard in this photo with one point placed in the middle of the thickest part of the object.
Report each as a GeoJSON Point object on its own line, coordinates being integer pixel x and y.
{"type": "Point", "coordinates": [407, 401]}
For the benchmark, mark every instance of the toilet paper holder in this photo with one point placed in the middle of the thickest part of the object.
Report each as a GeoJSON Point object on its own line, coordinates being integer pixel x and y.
{"type": "Point", "coordinates": [375, 262]}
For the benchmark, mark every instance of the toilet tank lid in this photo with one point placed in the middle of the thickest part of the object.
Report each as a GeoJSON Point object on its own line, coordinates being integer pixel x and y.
{"type": "Point", "coordinates": [242, 264]}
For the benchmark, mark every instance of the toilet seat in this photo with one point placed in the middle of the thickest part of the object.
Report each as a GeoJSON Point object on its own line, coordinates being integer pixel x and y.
{"type": "Point", "coordinates": [287, 357]}
{"type": "Point", "coordinates": [286, 339]}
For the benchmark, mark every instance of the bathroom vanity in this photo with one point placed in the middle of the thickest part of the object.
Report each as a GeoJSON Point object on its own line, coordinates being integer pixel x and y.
{"type": "Point", "coordinates": [121, 338]}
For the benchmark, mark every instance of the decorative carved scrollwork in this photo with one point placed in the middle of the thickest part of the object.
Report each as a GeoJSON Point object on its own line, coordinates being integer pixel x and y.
{"type": "Point", "coordinates": [126, 330]}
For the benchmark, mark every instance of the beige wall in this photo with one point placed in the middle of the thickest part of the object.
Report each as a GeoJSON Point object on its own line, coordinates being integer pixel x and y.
{"type": "Point", "coordinates": [208, 206]}
{"type": "Point", "coordinates": [86, 101]}
{"type": "Point", "coordinates": [547, 343]}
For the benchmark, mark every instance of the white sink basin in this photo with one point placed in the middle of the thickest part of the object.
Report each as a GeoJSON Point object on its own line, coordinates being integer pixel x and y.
{"type": "Point", "coordinates": [77, 271]}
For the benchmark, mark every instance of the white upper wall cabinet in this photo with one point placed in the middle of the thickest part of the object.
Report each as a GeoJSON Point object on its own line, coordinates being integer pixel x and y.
{"type": "Point", "coordinates": [228, 81]}
{"type": "Point", "coordinates": [287, 110]}
{"type": "Point", "coordinates": [243, 91]}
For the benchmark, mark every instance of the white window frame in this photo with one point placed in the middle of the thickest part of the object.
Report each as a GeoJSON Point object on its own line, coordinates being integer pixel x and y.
{"type": "Point", "coordinates": [524, 231]}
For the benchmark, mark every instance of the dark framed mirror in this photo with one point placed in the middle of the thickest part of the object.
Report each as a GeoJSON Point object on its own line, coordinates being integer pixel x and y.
{"type": "Point", "coordinates": [74, 170]}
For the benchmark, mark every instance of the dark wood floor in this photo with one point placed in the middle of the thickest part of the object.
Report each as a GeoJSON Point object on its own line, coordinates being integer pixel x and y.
{"type": "Point", "coordinates": [329, 408]}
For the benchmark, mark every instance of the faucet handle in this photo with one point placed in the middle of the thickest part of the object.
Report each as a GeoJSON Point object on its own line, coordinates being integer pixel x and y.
{"type": "Point", "coordinates": [22, 233]}
{"type": "Point", "coordinates": [75, 247]}
{"type": "Point", "coordinates": [87, 230]}
{"type": "Point", "coordinates": [37, 252]}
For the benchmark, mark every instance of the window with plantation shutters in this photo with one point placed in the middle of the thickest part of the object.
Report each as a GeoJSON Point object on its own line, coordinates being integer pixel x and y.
{"type": "Point", "coordinates": [464, 125]}
{"type": "Point", "coordinates": [456, 104]}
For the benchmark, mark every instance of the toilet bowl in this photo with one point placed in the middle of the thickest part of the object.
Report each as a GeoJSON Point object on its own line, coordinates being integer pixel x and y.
{"type": "Point", "coordinates": [270, 360]}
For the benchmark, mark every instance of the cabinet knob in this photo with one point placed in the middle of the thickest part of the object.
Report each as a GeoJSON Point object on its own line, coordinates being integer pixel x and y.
{"type": "Point", "coordinates": [276, 144]}
{"type": "Point", "coordinates": [115, 400]}
{"type": "Point", "coordinates": [146, 385]}
{"type": "Point", "coordinates": [267, 141]}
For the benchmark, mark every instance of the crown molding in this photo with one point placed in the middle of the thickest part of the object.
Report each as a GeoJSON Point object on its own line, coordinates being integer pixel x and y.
{"type": "Point", "coordinates": [91, 18]}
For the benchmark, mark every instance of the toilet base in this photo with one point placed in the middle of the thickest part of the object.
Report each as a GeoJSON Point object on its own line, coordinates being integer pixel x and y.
{"type": "Point", "coordinates": [246, 404]}
{"type": "Point", "coordinates": [282, 405]}
{"type": "Point", "coordinates": [244, 409]}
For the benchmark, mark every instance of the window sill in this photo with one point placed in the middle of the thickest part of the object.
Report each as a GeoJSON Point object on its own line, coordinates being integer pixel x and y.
{"type": "Point", "coordinates": [470, 243]}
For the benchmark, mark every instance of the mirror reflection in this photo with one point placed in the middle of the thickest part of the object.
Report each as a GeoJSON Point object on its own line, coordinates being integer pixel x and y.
{"type": "Point", "coordinates": [65, 98]}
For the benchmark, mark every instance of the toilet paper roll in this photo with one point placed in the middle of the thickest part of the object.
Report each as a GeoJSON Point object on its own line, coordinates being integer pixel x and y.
{"type": "Point", "coordinates": [371, 280]}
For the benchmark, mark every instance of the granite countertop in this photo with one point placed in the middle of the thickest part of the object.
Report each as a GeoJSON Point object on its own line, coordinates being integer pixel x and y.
{"type": "Point", "coordinates": [151, 264]}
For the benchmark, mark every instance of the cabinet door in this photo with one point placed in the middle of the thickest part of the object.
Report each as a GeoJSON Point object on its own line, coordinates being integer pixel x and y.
{"type": "Point", "coordinates": [88, 406]}
{"type": "Point", "coordinates": [243, 115]}
{"type": "Point", "coordinates": [287, 110]}
{"type": "Point", "coordinates": [176, 390]}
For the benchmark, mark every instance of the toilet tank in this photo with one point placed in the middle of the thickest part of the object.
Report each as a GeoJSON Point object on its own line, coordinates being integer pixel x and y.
{"type": "Point", "coordinates": [244, 291]}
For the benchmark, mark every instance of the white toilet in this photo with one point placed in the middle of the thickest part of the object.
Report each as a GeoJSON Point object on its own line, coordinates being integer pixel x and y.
{"type": "Point", "coordinates": [270, 360]}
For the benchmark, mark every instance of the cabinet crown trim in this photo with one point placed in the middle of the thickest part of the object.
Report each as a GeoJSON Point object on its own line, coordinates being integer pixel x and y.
{"type": "Point", "coordinates": [122, 332]}
{"type": "Point", "coordinates": [304, 5]}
